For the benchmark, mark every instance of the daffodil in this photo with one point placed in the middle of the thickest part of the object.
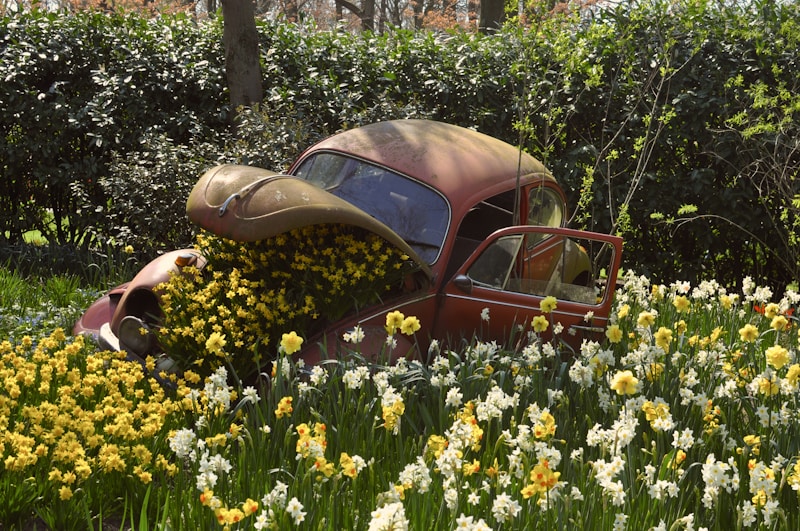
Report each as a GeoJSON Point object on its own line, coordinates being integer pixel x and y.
{"type": "Point", "coordinates": [646, 319]}
{"type": "Point", "coordinates": [748, 333]}
{"type": "Point", "coordinates": [681, 304]}
{"type": "Point", "coordinates": [548, 304]}
{"type": "Point", "coordinates": [284, 408]}
{"type": "Point", "coordinates": [291, 342]}
{"type": "Point", "coordinates": [777, 356]}
{"type": "Point", "coordinates": [215, 342]}
{"type": "Point", "coordinates": [540, 324]}
{"type": "Point", "coordinates": [779, 323]}
{"type": "Point", "coordinates": [625, 383]}
{"type": "Point", "coordinates": [663, 338]}
{"type": "Point", "coordinates": [614, 333]}
{"type": "Point", "coordinates": [394, 320]}
{"type": "Point", "coordinates": [409, 325]}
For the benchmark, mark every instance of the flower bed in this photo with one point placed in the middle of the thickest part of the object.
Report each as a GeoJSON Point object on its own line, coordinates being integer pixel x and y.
{"type": "Point", "coordinates": [685, 417]}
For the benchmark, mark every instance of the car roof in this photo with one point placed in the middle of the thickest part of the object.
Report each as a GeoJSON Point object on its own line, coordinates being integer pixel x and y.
{"type": "Point", "coordinates": [455, 160]}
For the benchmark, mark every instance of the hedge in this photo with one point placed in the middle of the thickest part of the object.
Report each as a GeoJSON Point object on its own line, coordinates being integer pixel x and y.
{"type": "Point", "coordinates": [673, 124]}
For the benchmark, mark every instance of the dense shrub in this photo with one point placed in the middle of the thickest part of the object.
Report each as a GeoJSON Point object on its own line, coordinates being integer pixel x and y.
{"type": "Point", "coordinates": [672, 124]}
{"type": "Point", "coordinates": [76, 90]}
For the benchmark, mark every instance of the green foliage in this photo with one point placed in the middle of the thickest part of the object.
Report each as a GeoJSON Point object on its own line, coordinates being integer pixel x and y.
{"type": "Point", "coordinates": [28, 304]}
{"type": "Point", "coordinates": [77, 88]}
{"type": "Point", "coordinates": [637, 108]}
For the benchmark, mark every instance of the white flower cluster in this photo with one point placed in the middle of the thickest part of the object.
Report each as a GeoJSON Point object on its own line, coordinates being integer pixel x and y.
{"type": "Point", "coordinates": [591, 364]}
{"type": "Point", "coordinates": [274, 503]}
{"type": "Point", "coordinates": [209, 468]}
{"type": "Point", "coordinates": [605, 474]}
{"type": "Point", "coordinates": [763, 486]}
{"type": "Point", "coordinates": [468, 523]}
{"type": "Point", "coordinates": [354, 378]}
{"type": "Point", "coordinates": [389, 517]}
{"type": "Point", "coordinates": [319, 376]}
{"type": "Point", "coordinates": [495, 403]}
{"type": "Point", "coordinates": [183, 442]}
{"type": "Point", "coordinates": [416, 475]}
{"type": "Point", "coordinates": [618, 436]}
{"type": "Point", "coordinates": [217, 391]}
{"type": "Point", "coordinates": [355, 336]}
{"type": "Point", "coordinates": [505, 508]}
{"type": "Point", "coordinates": [718, 476]}
{"type": "Point", "coordinates": [482, 350]}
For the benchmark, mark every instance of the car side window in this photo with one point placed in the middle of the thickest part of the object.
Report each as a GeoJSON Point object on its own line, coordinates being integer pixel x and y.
{"type": "Point", "coordinates": [565, 268]}
{"type": "Point", "coordinates": [545, 207]}
{"type": "Point", "coordinates": [494, 266]}
{"type": "Point", "coordinates": [483, 218]}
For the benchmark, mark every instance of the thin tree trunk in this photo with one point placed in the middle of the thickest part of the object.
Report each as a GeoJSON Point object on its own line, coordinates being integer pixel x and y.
{"type": "Point", "coordinates": [242, 62]}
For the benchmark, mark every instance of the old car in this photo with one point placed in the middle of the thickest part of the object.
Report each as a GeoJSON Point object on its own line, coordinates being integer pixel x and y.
{"type": "Point", "coordinates": [484, 221]}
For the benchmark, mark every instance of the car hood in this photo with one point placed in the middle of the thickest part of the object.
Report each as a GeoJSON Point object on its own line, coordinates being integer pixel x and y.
{"type": "Point", "coordinates": [245, 203]}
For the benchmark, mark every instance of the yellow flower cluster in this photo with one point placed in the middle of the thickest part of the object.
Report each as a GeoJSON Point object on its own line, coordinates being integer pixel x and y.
{"type": "Point", "coordinates": [284, 408]}
{"type": "Point", "coordinates": [397, 321]}
{"type": "Point", "coordinates": [311, 445]}
{"type": "Point", "coordinates": [391, 414]}
{"type": "Point", "coordinates": [234, 309]}
{"type": "Point", "coordinates": [542, 480]}
{"type": "Point", "coordinates": [226, 516]}
{"type": "Point", "coordinates": [68, 413]}
{"type": "Point", "coordinates": [656, 414]}
{"type": "Point", "coordinates": [545, 427]}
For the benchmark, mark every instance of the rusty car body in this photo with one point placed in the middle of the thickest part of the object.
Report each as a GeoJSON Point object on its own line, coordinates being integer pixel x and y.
{"type": "Point", "coordinates": [485, 221]}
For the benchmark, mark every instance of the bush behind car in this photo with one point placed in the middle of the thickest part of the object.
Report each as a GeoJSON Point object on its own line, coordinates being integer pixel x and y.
{"type": "Point", "coordinates": [106, 120]}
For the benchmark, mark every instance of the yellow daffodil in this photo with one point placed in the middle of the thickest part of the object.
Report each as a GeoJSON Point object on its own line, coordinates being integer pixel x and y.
{"type": "Point", "coordinates": [779, 323]}
{"type": "Point", "coordinates": [681, 304]}
{"type": "Point", "coordinates": [646, 319]}
{"type": "Point", "coordinates": [548, 304]}
{"type": "Point", "coordinates": [215, 342]}
{"type": "Point", "coordinates": [777, 356]}
{"type": "Point", "coordinates": [625, 383]}
{"type": "Point", "coordinates": [771, 310]}
{"type": "Point", "coordinates": [663, 338]}
{"type": "Point", "coordinates": [748, 333]}
{"type": "Point", "coordinates": [409, 325]}
{"type": "Point", "coordinates": [793, 374]}
{"type": "Point", "coordinates": [394, 320]}
{"type": "Point", "coordinates": [291, 342]}
{"type": "Point", "coordinates": [614, 333]}
{"type": "Point", "coordinates": [284, 408]}
{"type": "Point", "coordinates": [539, 324]}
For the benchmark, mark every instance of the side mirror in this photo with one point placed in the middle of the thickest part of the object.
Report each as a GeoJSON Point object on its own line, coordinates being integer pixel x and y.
{"type": "Point", "coordinates": [464, 283]}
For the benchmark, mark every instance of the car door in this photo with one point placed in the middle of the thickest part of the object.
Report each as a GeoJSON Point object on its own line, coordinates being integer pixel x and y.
{"type": "Point", "coordinates": [515, 268]}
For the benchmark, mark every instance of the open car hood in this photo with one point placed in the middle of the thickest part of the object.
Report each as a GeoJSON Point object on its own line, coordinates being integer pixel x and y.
{"type": "Point", "coordinates": [245, 203]}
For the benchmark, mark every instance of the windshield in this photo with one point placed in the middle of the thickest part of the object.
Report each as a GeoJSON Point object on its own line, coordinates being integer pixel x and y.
{"type": "Point", "coordinates": [417, 213]}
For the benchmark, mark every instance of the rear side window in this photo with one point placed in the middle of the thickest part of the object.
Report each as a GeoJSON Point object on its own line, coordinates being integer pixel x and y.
{"type": "Point", "coordinates": [545, 207]}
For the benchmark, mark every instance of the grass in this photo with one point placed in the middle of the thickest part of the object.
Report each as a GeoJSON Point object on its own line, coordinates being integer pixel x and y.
{"type": "Point", "coordinates": [701, 432]}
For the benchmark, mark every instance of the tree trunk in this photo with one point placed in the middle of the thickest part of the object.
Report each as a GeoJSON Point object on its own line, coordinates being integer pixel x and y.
{"type": "Point", "coordinates": [368, 15]}
{"type": "Point", "coordinates": [418, 7]}
{"type": "Point", "coordinates": [242, 61]}
{"type": "Point", "coordinates": [366, 12]}
{"type": "Point", "coordinates": [491, 16]}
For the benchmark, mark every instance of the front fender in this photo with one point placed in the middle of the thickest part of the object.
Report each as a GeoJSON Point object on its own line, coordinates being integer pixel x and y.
{"type": "Point", "coordinates": [139, 299]}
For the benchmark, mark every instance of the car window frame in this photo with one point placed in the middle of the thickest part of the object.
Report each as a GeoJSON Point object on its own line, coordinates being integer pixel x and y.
{"type": "Point", "coordinates": [566, 233]}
